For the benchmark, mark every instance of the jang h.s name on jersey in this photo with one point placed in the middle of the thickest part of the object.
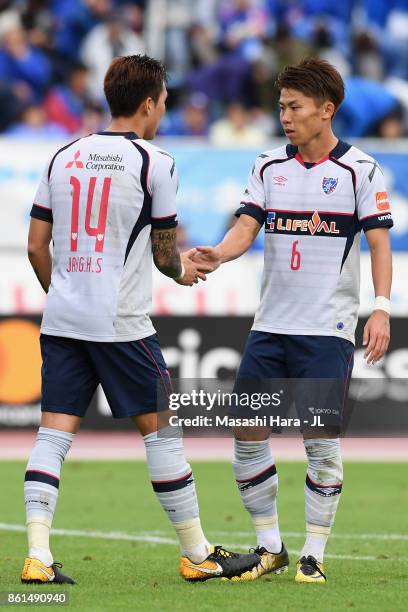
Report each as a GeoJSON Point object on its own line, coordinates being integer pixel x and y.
{"type": "Point", "coordinates": [313, 215]}
{"type": "Point", "coordinates": [103, 194]}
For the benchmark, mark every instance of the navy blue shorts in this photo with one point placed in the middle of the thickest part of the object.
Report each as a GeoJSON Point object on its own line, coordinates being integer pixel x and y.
{"type": "Point", "coordinates": [285, 356]}
{"type": "Point", "coordinates": [133, 375]}
{"type": "Point", "coordinates": [315, 371]}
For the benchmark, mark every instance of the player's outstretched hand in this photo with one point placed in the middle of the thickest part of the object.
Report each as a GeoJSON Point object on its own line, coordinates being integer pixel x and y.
{"type": "Point", "coordinates": [207, 258]}
{"type": "Point", "coordinates": [376, 336]}
{"type": "Point", "coordinates": [192, 272]}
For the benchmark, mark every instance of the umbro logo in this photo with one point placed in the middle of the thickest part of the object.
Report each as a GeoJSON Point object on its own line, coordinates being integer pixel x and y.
{"type": "Point", "coordinates": [76, 161]}
{"type": "Point", "coordinates": [279, 180]}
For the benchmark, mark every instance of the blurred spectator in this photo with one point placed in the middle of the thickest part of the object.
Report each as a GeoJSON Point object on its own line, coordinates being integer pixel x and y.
{"type": "Point", "coordinates": [25, 68]}
{"type": "Point", "coordinates": [33, 124]}
{"type": "Point", "coordinates": [10, 106]}
{"type": "Point", "coordinates": [74, 19]}
{"type": "Point", "coordinates": [204, 33]}
{"type": "Point", "coordinates": [236, 130]}
{"type": "Point", "coordinates": [366, 56]}
{"type": "Point", "coordinates": [244, 26]}
{"type": "Point", "coordinates": [133, 15]}
{"type": "Point", "coordinates": [94, 119]}
{"type": "Point", "coordinates": [392, 125]}
{"type": "Point", "coordinates": [203, 48]}
{"type": "Point", "coordinates": [227, 80]}
{"type": "Point", "coordinates": [302, 15]}
{"type": "Point", "coordinates": [263, 75]}
{"type": "Point", "coordinates": [168, 23]}
{"type": "Point", "coordinates": [190, 120]}
{"type": "Point", "coordinates": [288, 50]}
{"type": "Point", "coordinates": [325, 48]}
{"type": "Point", "coordinates": [263, 121]}
{"type": "Point", "coordinates": [366, 104]}
{"type": "Point", "coordinates": [65, 103]}
{"type": "Point", "coordinates": [104, 42]}
{"type": "Point", "coordinates": [38, 22]}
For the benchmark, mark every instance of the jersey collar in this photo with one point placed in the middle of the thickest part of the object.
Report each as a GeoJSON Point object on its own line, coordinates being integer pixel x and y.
{"type": "Point", "coordinates": [130, 135]}
{"type": "Point", "coordinates": [339, 150]}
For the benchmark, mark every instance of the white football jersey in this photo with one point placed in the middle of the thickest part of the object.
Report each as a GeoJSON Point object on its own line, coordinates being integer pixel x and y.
{"type": "Point", "coordinates": [103, 194]}
{"type": "Point", "coordinates": [313, 215]}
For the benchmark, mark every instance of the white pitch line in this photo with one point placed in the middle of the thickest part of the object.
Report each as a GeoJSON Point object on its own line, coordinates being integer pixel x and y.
{"type": "Point", "coordinates": [301, 534]}
{"type": "Point", "coordinates": [150, 538]}
{"type": "Point", "coordinates": [104, 535]}
{"type": "Point", "coordinates": [338, 536]}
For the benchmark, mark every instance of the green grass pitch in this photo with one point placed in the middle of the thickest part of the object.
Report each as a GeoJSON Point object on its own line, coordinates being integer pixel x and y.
{"type": "Point", "coordinates": [367, 559]}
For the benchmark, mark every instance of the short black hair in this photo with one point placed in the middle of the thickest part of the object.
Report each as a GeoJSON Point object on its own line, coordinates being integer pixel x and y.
{"type": "Point", "coordinates": [130, 80]}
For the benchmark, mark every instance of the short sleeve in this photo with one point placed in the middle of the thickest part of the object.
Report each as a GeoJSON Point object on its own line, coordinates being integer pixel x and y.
{"type": "Point", "coordinates": [253, 199]}
{"type": "Point", "coordinates": [373, 206]}
{"type": "Point", "coordinates": [42, 208]}
{"type": "Point", "coordinates": [163, 186]}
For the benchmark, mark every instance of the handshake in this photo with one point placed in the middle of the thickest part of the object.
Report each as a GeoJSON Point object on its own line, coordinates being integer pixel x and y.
{"type": "Point", "coordinates": [198, 262]}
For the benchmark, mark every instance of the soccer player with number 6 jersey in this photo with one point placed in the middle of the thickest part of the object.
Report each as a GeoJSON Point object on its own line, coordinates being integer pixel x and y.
{"type": "Point", "coordinates": [107, 202]}
{"type": "Point", "coordinates": [313, 197]}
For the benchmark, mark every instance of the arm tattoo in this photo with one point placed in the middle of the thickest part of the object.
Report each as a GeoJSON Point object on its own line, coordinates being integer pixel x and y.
{"type": "Point", "coordinates": [165, 252]}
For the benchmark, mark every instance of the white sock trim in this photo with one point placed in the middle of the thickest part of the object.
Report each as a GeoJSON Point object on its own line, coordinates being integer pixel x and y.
{"type": "Point", "coordinates": [265, 522]}
{"type": "Point", "coordinates": [317, 529]}
{"type": "Point", "coordinates": [38, 532]}
{"type": "Point", "coordinates": [193, 543]}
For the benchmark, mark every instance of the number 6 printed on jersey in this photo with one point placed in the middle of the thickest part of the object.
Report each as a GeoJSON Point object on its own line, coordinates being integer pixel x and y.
{"type": "Point", "coordinates": [295, 259]}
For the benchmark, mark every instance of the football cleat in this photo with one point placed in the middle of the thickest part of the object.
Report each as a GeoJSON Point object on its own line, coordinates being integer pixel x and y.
{"type": "Point", "coordinates": [275, 563]}
{"type": "Point", "coordinates": [35, 572]}
{"type": "Point", "coordinates": [220, 563]}
{"type": "Point", "coordinates": [310, 570]}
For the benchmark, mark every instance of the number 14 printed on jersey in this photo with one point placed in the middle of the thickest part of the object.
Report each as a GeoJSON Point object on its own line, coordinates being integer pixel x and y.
{"type": "Point", "coordinates": [86, 264]}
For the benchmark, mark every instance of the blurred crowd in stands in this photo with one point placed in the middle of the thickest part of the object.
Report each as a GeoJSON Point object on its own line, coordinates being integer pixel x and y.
{"type": "Point", "coordinates": [222, 57]}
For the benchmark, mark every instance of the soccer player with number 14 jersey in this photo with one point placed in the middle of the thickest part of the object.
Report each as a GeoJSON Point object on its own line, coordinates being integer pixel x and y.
{"type": "Point", "coordinates": [313, 196]}
{"type": "Point", "coordinates": [107, 201]}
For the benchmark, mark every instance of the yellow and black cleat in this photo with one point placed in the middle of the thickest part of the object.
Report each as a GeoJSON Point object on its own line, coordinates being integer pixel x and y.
{"type": "Point", "coordinates": [220, 563]}
{"type": "Point", "coordinates": [310, 570]}
{"type": "Point", "coordinates": [270, 563]}
{"type": "Point", "coordinates": [35, 572]}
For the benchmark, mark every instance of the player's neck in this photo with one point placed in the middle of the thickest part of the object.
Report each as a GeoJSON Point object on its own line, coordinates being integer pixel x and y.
{"type": "Point", "coordinates": [125, 124]}
{"type": "Point", "coordinates": [317, 148]}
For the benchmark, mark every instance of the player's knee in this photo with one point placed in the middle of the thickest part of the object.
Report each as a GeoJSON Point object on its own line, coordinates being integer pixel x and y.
{"type": "Point", "coordinates": [68, 423]}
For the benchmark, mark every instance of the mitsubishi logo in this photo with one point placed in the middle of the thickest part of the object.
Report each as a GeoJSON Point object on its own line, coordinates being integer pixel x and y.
{"type": "Point", "coordinates": [76, 161]}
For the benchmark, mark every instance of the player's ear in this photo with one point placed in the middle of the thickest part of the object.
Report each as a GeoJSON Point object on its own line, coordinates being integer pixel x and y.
{"type": "Point", "coordinates": [328, 110]}
{"type": "Point", "coordinates": [147, 106]}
